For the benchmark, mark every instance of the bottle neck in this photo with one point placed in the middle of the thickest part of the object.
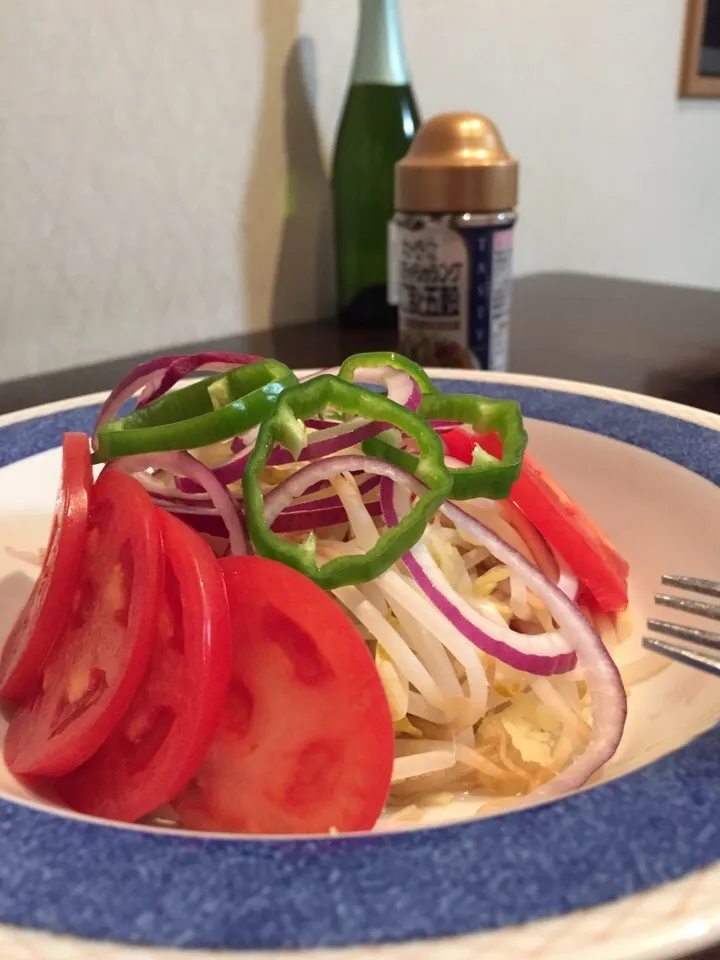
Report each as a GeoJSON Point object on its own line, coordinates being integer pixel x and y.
{"type": "Point", "coordinates": [379, 54]}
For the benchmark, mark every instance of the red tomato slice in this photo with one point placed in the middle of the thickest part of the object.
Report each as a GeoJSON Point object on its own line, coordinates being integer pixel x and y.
{"type": "Point", "coordinates": [164, 734]}
{"type": "Point", "coordinates": [460, 444]}
{"type": "Point", "coordinates": [565, 525]}
{"type": "Point", "coordinates": [46, 612]}
{"type": "Point", "coordinates": [305, 742]}
{"type": "Point", "coordinates": [95, 667]}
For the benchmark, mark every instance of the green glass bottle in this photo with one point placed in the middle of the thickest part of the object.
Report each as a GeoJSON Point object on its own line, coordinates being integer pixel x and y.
{"type": "Point", "coordinates": [377, 126]}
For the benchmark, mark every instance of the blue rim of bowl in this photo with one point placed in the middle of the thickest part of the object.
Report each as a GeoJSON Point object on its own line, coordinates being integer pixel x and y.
{"type": "Point", "coordinates": [83, 878]}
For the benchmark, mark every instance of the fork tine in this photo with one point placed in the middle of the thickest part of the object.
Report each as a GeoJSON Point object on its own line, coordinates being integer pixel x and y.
{"type": "Point", "coordinates": [692, 658]}
{"type": "Point", "coordinates": [698, 607]}
{"type": "Point", "coordinates": [709, 588]}
{"type": "Point", "coordinates": [704, 638]}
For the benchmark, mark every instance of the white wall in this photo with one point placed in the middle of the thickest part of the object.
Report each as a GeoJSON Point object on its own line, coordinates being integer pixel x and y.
{"type": "Point", "coordinates": [144, 195]}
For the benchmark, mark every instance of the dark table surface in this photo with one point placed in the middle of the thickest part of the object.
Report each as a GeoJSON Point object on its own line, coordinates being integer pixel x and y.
{"type": "Point", "coordinates": [654, 339]}
{"type": "Point", "coordinates": [644, 337]}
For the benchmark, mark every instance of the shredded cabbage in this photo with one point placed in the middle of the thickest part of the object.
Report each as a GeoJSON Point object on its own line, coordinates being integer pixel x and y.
{"type": "Point", "coordinates": [464, 721]}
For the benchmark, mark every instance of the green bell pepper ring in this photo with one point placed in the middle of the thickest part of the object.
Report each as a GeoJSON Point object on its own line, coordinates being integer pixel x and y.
{"type": "Point", "coordinates": [387, 359]}
{"type": "Point", "coordinates": [487, 476]}
{"type": "Point", "coordinates": [214, 409]}
{"type": "Point", "coordinates": [284, 426]}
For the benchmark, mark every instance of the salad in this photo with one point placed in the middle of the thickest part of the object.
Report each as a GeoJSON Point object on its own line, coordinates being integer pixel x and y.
{"type": "Point", "coordinates": [294, 605]}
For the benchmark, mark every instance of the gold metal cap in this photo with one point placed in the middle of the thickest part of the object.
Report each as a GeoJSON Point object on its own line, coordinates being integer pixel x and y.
{"type": "Point", "coordinates": [457, 163]}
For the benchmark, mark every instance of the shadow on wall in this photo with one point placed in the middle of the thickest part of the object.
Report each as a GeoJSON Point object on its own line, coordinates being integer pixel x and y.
{"type": "Point", "coordinates": [285, 235]}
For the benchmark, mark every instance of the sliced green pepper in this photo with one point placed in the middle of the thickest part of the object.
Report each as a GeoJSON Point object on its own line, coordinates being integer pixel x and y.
{"type": "Point", "coordinates": [487, 476]}
{"type": "Point", "coordinates": [284, 426]}
{"type": "Point", "coordinates": [202, 413]}
{"type": "Point", "coordinates": [387, 359]}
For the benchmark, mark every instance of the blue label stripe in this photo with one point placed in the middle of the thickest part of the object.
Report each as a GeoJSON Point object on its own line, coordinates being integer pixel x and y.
{"type": "Point", "coordinates": [479, 243]}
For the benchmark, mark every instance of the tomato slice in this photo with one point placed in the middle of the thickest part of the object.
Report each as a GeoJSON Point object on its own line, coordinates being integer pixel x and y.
{"type": "Point", "coordinates": [164, 734]}
{"type": "Point", "coordinates": [47, 609]}
{"type": "Point", "coordinates": [92, 672]}
{"type": "Point", "coordinates": [460, 444]}
{"type": "Point", "coordinates": [305, 741]}
{"type": "Point", "coordinates": [564, 524]}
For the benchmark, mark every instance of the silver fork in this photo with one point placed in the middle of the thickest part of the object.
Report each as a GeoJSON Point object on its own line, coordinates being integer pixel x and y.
{"type": "Point", "coordinates": [705, 640]}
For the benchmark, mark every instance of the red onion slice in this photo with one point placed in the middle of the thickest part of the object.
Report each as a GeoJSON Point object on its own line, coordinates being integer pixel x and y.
{"type": "Point", "coordinates": [310, 498]}
{"type": "Point", "coordinates": [401, 389]}
{"type": "Point", "coordinates": [289, 522]}
{"type": "Point", "coordinates": [162, 486]}
{"type": "Point", "coordinates": [245, 440]}
{"type": "Point", "coordinates": [349, 434]}
{"type": "Point", "coordinates": [181, 367]}
{"type": "Point", "coordinates": [315, 423]}
{"type": "Point", "coordinates": [324, 443]}
{"type": "Point", "coordinates": [185, 465]}
{"type": "Point", "coordinates": [544, 654]}
{"type": "Point", "coordinates": [607, 694]}
{"type": "Point", "coordinates": [156, 377]}
{"type": "Point", "coordinates": [190, 500]}
{"type": "Point", "coordinates": [145, 375]}
{"type": "Point", "coordinates": [328, 513]}
{"type": "Point", "coordinates": [331, 502]}
{"type": "Point", "coordinates": [608, 698]}
{"type": "Point", "coordinates": [198, 511]}
{"type": "Point", "coordinates": [282, 496]}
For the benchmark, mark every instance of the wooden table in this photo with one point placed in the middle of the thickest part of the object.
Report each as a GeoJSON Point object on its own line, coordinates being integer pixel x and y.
{"type": "Point", "coordinates": [653, 339]}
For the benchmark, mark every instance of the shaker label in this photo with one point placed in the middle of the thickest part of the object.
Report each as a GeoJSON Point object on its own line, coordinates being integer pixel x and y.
{"type": "Point", "coordinates": [433, 294]}
{"type": "Point", "coordinates": [454, 289]}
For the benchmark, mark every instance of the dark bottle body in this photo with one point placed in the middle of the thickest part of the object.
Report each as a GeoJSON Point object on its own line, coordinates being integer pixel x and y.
{"type": "Point", "coordinates": [379, 121]}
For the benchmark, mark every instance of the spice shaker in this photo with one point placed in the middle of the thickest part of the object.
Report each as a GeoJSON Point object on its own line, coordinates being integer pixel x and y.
{"type": "Point", "coordinates": [451, 243]}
